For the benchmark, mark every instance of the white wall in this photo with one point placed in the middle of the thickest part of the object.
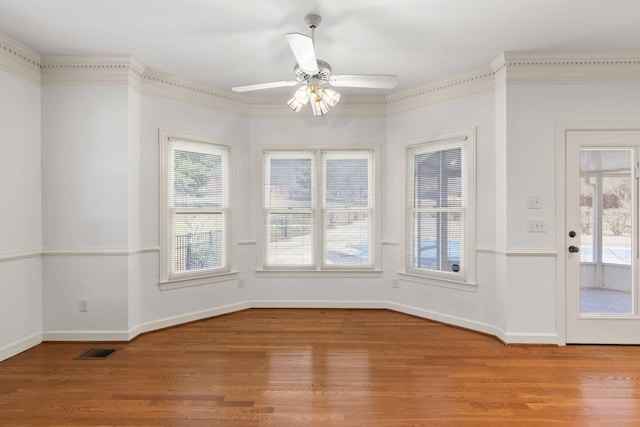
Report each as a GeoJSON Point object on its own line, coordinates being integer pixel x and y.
{"type": "Point", "coordinates": [299, 130]}
{"type": "Point", "coordinates": [530, 301]}
{"type": "Point", "coordinates": [173, 306]}
{"type": "Point", "coordinates": [472, 308]}
{"type": "Point", "coordinates": [86, 205]}
{"type": "Point", "coordinates": [21, 214]}
{"type": "Point", "coordinates": [79, 178]}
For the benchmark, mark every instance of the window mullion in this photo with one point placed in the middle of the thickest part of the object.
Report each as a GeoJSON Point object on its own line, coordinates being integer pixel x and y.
{"type": "Point", "coordinates": [319, 210]}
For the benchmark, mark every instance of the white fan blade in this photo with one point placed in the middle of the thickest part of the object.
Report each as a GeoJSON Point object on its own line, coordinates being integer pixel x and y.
{"type": "Point", "coordinates": [302, 47]}
{"type": "Point", "coordinates": [261, 86]}
{"type": "Point", "coordinates": [373, 81]}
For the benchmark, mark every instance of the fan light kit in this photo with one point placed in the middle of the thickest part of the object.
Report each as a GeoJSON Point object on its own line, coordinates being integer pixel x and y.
{"type": "Point", "coordinates": [314, 73]}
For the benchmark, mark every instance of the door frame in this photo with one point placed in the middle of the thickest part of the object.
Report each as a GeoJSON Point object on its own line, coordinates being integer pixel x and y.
{"type": "Point", "coordinates": [562, 127]}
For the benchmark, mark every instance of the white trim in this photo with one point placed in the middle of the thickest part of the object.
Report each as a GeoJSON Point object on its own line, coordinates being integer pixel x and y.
{"type": "Point", "coordinates": [344, 304]}
{"type": "Point", "coordinates": [562, 127]}
{"type": "Point", "coordinates": [518, 252]}
{"type": "Point", "coordinates": [508, 67]}
{"type": "Point", "coordinates": [122, 336]}
{"type": "Point", "coordinates": [165, 137]}
{"type": "Point", "coordinates": [567, 67]}
{"type": "Point", "coordinates": [157, 83]}
{"type": "Point", "coordinates": [485, 328]}
{"type": "Point", "coordinates": [560, 227]}
{"type": "Point", "coordinates": [527, 252]}
{"type": "Point", "coordinates": [315, 152]}
{"type": "Point", "coordinates": [59, 70]}
{"type": "Point", "coordinates": [486, 249]}
{"type": "Point", "coordinates": [186, 318]}
{"type": "Point", "coordinates": [443, 283]}
{"type": "Point", "coordinates": [528, 338]}
{"type": "Point", "coordinates": [469, 136]}
{"type": "Point", "coordinates": [349, 106]}
{"type": "Point", "coordinates": [34, 253]}
{"type": "Point", "coordinates": [319, 273]}
{"type": "Point", "coordinates": [177, 283]}
{"type": "Point", "coordinates": [443, 90]}
{"type": "Point", "coordinates": [125, 336]}
{"type": "Point", "coordinates": [19, 60]}
{"type": "Point", "coordinates": [100, 251]}
{"type": "Point", "coordinates": [14, 256]}
{"type": "Point", "coordinates": [19, 346]}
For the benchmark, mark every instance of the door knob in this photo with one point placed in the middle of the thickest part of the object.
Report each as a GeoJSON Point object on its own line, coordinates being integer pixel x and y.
{"type": "Point", "coordinates": [574, 249]}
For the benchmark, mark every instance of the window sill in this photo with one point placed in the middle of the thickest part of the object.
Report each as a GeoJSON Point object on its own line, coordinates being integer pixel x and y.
{"type": "Point", "coordinates": [451, 284]}
{"type": "Point", "coordinates": [196, 281]}
{"type": "Point", "coordinates": [318, 273]}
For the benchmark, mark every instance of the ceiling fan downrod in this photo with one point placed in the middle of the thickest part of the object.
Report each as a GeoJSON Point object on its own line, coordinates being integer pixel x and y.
{"type": "Point", "coordinates": [313, 21]}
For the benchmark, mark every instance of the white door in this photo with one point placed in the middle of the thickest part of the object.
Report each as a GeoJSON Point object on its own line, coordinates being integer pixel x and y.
{"type": "Point", "coordinates": [602, 237]}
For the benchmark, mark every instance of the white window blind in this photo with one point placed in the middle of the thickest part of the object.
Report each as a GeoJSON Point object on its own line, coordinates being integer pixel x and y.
{"type": "Point", "coordinates": [198, 203]}
{"type": "Point", "coordinates": [348, 201]}
{"type": "Point", "coordinates": [289, 208]}
{"type": "Point", "coordinates": [319, 209]}
{"type": "Point", "coordinates": [437, 208]}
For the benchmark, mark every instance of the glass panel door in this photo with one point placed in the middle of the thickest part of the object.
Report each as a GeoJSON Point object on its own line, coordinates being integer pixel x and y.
{"type": "Point", "coordinates": [606, 219]}
{"type": "Point", "coordinates": [601, 234]}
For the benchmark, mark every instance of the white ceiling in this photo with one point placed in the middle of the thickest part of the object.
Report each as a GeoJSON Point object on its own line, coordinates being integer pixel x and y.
{"type": "Point", "coordinates": [225, 43]}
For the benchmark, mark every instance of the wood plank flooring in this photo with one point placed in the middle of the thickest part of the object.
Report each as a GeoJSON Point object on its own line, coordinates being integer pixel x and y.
{"type": "Point", "coordinates": [313, 367]}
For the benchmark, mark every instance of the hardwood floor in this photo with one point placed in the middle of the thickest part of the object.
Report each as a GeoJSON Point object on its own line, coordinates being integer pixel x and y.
{"type": "Point", "coordinates": [312, 367]}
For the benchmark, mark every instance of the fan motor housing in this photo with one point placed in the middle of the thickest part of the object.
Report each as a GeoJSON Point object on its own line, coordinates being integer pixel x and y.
{"type": "Point", "coordinates": [323, 74]}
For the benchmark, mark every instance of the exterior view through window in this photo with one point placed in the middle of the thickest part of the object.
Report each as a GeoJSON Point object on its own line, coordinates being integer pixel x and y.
{"type": "Point", "coordinates": [438, 214]}
{"type": "Point", "coordinates": [196, 216]}
{"type": "Point", "coordinates": [319, 209]}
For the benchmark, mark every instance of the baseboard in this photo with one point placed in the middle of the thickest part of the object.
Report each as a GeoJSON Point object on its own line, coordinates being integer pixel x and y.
{"type": "Point", "coordinates": [144, 327]}
{"type": "Point", "coordinates": [87, 336]}
{"type": "Point", "coordinates": [19, 346]}
{"type": "Point", "coordinates": [507, 338]}
{"type": "Point", "coordinates": [529, 338]}
{"type": "Point", "coordinates": [345, 304]}
{"type": "Point", "coordinates": [484, 328]}
{"type": "Point", "coordinates": [185, 318]}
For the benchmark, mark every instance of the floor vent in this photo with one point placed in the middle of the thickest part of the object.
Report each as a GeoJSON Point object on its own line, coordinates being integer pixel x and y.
{"type": "Point", "coordinates": [97, 353]}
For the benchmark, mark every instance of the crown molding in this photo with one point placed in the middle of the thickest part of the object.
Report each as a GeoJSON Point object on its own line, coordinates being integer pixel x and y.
{"type": "Point", "coordinates": [157, 83]}
{"type": "Point", "coordinates": [567, 67]}
{"type": "Point", "coordinates": [440, 91]}
{"type": "Point", "coordinates": [59, 70]}
{"type": "Point", "coordinates": [509, 67]}
{"type": "Point", "coordinates": [349, 106]}
{"type": "Point", "coordinates": [19, 60]}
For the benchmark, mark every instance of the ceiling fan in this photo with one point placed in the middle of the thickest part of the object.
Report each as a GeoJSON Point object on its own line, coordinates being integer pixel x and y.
{"type": "Point", "coordinates": [314, 73]}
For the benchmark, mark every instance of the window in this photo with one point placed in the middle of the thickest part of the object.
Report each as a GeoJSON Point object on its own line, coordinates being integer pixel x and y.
{"type": "Point", "coordinates": [439, 207]}
{"type": "Point", "coordinates": [320, 209]}
{"type": "Point", "coordinates": [195, 209]}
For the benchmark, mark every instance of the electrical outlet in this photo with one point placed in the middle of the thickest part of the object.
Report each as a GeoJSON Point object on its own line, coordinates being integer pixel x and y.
{"type": "Point", "coordinates": [84, 305]}
{"type": "Point", "coordinates": [535, 226]}
{"type": "Point", "coordinates": [396, 283]}
{"type": "Point", "coordinates": [534, 202]}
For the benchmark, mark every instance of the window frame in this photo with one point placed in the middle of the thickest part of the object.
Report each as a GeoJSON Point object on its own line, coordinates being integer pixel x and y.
{"type": "Point", "coordinates": [466, 140]}
{"type": "Point", "coordinates": [317, 268]}
{"type": "Point", "coordinates": [168, 278]}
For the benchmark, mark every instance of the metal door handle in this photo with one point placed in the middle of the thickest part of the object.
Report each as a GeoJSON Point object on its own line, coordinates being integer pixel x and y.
{"type": "Point", "coordinates": [574, 249]}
